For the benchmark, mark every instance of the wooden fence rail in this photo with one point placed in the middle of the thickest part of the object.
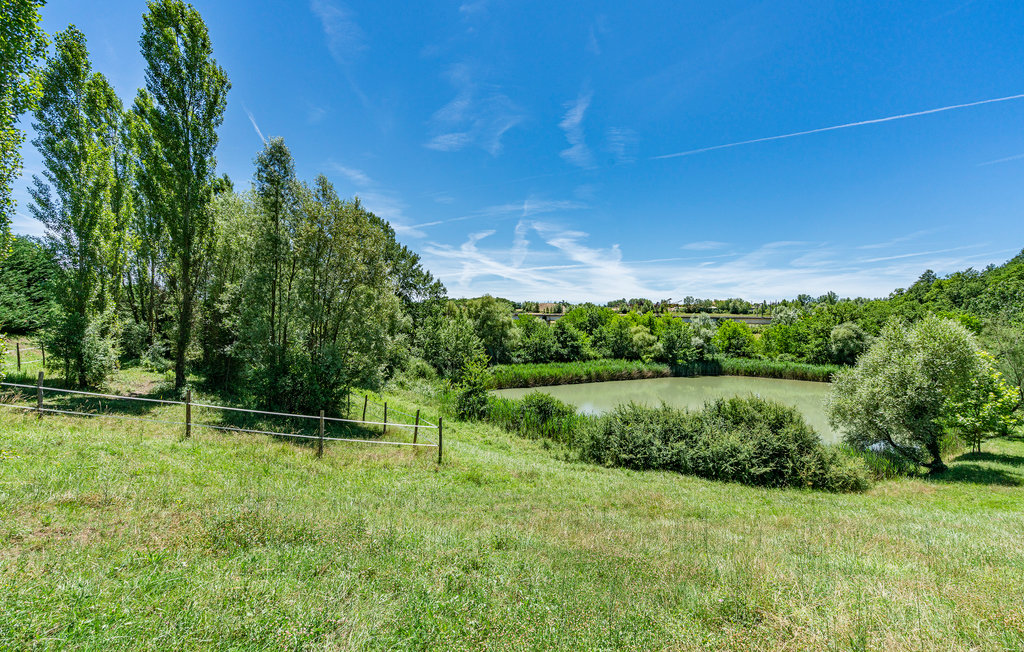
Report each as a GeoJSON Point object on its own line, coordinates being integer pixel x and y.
{"type": "Point", "coordinates": [188, 423]}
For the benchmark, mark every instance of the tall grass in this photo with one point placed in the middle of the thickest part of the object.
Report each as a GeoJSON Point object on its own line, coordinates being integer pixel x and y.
{"type": "Point", "coordinates": [536, 416]}
{"type": "Point", "coordinates": [774, 369]}
{"type": "Point", "coordinates": [592, 371]}
{"type": "Point", "coordinates": [566, 373]}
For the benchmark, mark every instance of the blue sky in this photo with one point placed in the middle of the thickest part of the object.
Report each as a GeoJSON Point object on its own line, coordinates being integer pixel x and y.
{"type": "Point", "coordinates": [519, 147]}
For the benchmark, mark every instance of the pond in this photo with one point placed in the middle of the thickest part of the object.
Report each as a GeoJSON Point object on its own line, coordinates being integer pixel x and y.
{"type": "Point", "coordinates": [597, 398]}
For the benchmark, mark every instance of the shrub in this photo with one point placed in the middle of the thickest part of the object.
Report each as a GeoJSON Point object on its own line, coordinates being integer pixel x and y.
{"type": "Point", "coordinates": [747, 440]}
{"type": "Point", "coordinates": [471, 392]}
{"type": "Point", "coordinates": [537, 416]}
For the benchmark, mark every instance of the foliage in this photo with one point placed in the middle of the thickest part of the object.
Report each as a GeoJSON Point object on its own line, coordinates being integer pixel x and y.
{"type": "Point", "coordinates": [22, 43]}
{"type": "Point", "coordinates": [984, 407]}
{"type": "Point", "coordinates": [27, 276]}
{"type": "Point", "coordinates": [536, 416]}
{"type": "Point", "coordinates": [733, 338]}
{"type": "Point", "coordinates": [182, 107]}
{"type": "Point", "coordinates": [535, 340]}
{"type": "Point", "coordinates": [492, 323]}
{"type": "Point", "coordinates": [1005, 339]}
{"type": "Point", "coordinates": [95, 356]}
{"type": "Point", "coordinates": [702, 341]}
{"type": "Point", "coordinates": [747, 440]}
{"type": "Point", "coordinates": [471, 392]}
{"type": "Point", "coordinates": [906, 386]}
{"type": "Point", "coordinates": [447, 340]}
{"type": "Point", "coordinates": [846, 342]}
{"type": "Point", "coordinates": [74, 199]}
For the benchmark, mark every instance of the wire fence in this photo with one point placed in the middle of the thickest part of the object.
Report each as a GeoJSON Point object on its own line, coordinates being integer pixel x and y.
{"type": "Point", "coordinates": [19, 362]}
{"type": "Point", "coordinates": [188, 423]}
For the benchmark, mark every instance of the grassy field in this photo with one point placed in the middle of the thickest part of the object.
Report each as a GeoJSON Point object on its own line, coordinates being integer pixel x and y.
{"type": "Point", "coordinates": [117, 535]}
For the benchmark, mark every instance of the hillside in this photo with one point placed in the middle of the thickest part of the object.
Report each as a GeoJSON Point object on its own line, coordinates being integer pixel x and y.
{"type": "Point", "coordinates": [117, 534]}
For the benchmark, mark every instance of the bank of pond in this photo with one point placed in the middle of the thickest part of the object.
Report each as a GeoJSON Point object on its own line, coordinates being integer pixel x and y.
{"type": "Point", "coordinates": [756, 431]}
{"type": "Point", "coordinates": [692, 393]}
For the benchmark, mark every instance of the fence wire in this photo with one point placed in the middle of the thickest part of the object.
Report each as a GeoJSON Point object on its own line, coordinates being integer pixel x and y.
{"type": "Point", "coordinates": [408, 426]}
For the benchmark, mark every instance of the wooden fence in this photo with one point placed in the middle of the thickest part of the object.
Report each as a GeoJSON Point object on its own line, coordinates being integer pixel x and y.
{"type": "Point", "coordinates": [188, 423]}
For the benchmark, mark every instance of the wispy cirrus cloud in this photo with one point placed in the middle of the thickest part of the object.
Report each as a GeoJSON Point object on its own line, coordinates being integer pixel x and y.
{"type": "Point", "coordinates": [541, 260]}
{"type": "Point", "coordinates": [478, 115]}
{"type": "Point", "coordinates": [526, 208]}
{"type": "Point", "coordinates": [578, 153]}
{"type": "Point", "coordinates": [378, 199]}
{"type": "Point", "coordinates": [704, 245]}
{"type": "Point", "coordinates": [345, 39]}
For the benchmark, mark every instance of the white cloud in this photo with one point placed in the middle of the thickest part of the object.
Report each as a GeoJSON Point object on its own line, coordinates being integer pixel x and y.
{"type": "Point", "coordinates": [479, 114]}
{"type": "Point", "coordinates": [572, 124]}
{"type": "Point", "coordinates": [704, 245]}
{"type": "Point", "coordinates": [356, 176]}
{"type": "Point", "coordinates": [621, 143]}
{"type": "Point", "coordinates": [560, 263]}
{"type": "Point", "coordinates": [345, 39]}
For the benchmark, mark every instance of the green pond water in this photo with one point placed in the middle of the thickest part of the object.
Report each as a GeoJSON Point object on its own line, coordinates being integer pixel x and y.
{"type": "Point", "coordinates": [597, 398]}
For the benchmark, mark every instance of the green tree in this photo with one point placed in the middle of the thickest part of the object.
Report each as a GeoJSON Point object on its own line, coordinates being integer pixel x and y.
{"type": "Point", "coordinates": [187, 95]}
{"type": "Point", "coordinates": [27, 276]}
{"type": "Point", "coordinates": [77, 124]}
{"type": "Point", "coordinates": [846, 342]}
{"type": "Point", "coordinates": [492, 321]}
{"type": "Point", "coordinates": [447, 340]}
{"type": "Point", "coordinates": [22, 43]}
{"type": "Point", "coordinates": [733, 338]}
{"type": "Point", "coordinates": [984, 408]}
{"type": "Point", "coordinates": [1006, 339]}
{"type": "Point", "coordinates": [907, 386]}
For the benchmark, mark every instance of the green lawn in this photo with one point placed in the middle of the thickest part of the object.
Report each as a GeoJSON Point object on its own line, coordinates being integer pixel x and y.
{"type": "Point", "coordinates": [118, 534]}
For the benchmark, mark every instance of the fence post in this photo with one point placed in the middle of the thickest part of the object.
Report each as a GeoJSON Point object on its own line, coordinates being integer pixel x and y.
{"type": "Point", "coordinates": [17, 347]}
{"type": "Point", "coordinates": [366, 397]}
{"type": "Point", "coordinates": [320, 446]}
{"type": "Point", "coordinates": [384, 429]}
{"type": "Point", "coordinates": [440, 438]}
{"type": "Point", "coordinates": [43, 351]}
{"type": "Point", "coordinates": [188, 413]}
{"type": "Point", "coordinates": [416, 428]}
{"type": "Point", "coordinates": [39, 395]}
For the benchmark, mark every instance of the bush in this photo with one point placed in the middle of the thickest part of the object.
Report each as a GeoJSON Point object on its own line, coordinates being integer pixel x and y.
{"type": "Point", "coordinates": [81, 349]}
{"type": "Point", "coordinates": [747, 440]}
{"type": "Point", "coordinates": [471, 393]}
{"type": "Point", "coordinates": [537, 416]}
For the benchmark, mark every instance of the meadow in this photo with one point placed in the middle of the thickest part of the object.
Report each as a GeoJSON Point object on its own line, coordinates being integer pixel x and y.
{"type": "Point", "coordinates": [120, 535]}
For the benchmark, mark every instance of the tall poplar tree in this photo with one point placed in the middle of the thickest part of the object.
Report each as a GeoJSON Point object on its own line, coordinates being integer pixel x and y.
{"type": "Point", "coordinates": [22, 43]}
{"type": "Point", "coordinates": [77, 122]}
{"type": "Point", "coordinates": [187, 95]}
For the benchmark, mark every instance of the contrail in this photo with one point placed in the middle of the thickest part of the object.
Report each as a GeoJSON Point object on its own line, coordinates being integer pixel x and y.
{"type": "Point", "coordinates": [254, 125]}
{"type": "Point", "coordinates": [850, 124]}
{"type": "Point", "coordinates": [1001, 160]}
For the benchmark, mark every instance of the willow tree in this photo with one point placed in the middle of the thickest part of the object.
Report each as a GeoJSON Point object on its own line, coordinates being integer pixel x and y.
{"type": "Point", "coordinates": [77, 124]}
{"type": "Point", "coordinates": [22, 43]}
{"type": "Point", "coordinates": [187, 95]}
